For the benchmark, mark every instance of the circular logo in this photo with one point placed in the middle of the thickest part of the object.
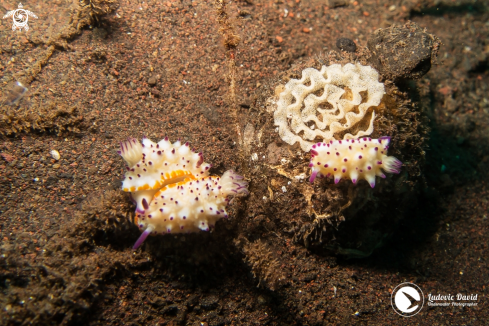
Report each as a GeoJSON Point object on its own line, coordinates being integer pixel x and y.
{"type": "Point", "coordinates": [407, 299]}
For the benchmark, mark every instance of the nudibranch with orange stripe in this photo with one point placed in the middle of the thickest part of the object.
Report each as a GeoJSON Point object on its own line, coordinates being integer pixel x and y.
{"type": "Point", "coordinates": [191, 205]}
{"type": "Point", "coordinates": [151, 166]}
{"type": "Point", "coordinates": [362, 158]}
{"type": "Point", "coordinates": [172, 189]}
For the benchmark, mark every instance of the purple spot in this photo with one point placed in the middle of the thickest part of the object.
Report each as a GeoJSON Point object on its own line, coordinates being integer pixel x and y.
{"type": "Point", "coordinates": [345, 160]}
{"type": "Point", "coordinates": [326, 165]}
{"type": "Point", "coordinates": [313, 152]}
{"type": "Point", "coordinates": [145, 203]}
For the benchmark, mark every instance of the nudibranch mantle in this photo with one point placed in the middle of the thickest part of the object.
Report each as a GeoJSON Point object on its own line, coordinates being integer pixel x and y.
{"type": "Point", "coordinates": [357, 159]}
{"type": "Point", "coordinates": [191, 205]}
{"type": "Point", "coordinates": [151, 166]}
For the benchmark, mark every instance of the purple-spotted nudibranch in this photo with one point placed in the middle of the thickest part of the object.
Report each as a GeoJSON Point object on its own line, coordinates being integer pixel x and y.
{"type": "Point", "coordinates": [151, 166]}
{"type": "Point", "coordinates": [172, 189]}
{"type": "Point", "coordinates": [191, 205]}
{"type": "Point", "coordinates": [357, 159]}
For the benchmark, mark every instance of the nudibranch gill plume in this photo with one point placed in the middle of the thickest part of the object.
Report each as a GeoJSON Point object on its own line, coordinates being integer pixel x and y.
{"type": "Point", "coordinates": [357, 159]}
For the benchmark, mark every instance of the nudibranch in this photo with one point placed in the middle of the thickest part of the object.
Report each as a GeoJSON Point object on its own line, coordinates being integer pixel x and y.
{"type": "Point", "coordinates": [151, 166]}
{"type": "Point", "coordinates": [357, 159]}
{"type": "Point", "coordinates": [172, 189]}
{"type": "Point", "coordinates": [190, 205]}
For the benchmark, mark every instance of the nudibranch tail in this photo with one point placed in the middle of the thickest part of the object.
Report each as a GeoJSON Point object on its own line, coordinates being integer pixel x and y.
{"type": "Point", "coordinates": [131, 151]}
{"type": "Point", "coordinates": [143, 237]}
{"type": "Point", "coordinates": [356, 159]}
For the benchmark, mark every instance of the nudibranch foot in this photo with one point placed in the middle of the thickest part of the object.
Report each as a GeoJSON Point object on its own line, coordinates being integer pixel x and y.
{"type": "Point", "coordinates": [356, 159]}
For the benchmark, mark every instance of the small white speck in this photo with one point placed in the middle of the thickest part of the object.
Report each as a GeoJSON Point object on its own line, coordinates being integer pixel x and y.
{"type": "Point", "coordinates": [55, 154]}
{"type": "Point", "coordinates": [284, 189]}
{"type": "Point", "coordinates": [264, 197]}
{"type": "Point", "coordinates": [36, 179]}
{"type": "Point", "coordinates": [254, 157]}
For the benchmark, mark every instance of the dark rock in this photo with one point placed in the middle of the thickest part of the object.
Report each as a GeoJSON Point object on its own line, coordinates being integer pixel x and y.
{"type": "Point", "coordinates": [345, 44]}
{"type": "Point", "coordinates": [405, 52]}
{"type": "Point", "coordinates": [170, 310]}
{"type": "Point", "coordinates": [337, 3]}
{"type": "Point", "coordinates": [65, 175]}
{"type": "Point", "coordinates": [209, 302]}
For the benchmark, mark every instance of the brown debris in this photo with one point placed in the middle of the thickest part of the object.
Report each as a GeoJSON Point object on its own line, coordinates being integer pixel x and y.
{"type": "Point", "coordinates": [51, 117]}
{"type": "Point", "coordinates": [264, 266]}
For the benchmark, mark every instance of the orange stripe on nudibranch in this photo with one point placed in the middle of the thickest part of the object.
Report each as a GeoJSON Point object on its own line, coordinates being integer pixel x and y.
{"type": "Point", "coordinates": [133, 188]}
{"type": "Point", "coordinates": [125, 189]}
{"type": "Point", "coordinates": [144, 187]}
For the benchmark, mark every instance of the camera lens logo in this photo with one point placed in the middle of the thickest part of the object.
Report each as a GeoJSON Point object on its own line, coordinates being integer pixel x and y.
{"type": "Point", "coordinates": [407, 299]}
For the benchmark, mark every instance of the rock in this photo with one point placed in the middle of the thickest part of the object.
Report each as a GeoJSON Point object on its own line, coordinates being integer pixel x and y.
{"type": "Point", "coordinates": [345, 44]}
{"type": "Point", "coordinates": [152, 81]}
{"type": "Point", "coordinates": [405, 52]}
{"type": "Point", "coordinates": [209, 302]}
{"type": "Point", "coordinates": [337, 3]}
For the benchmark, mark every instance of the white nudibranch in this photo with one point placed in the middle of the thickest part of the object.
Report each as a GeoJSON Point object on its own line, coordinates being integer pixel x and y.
{"type": "Point", "coordinates": [172, 189]}
{"type": "Point", "coordinates": [357, 159]}
{"type": "Point", "coordinates": [151, 166]}
{"type": "Point", "coordinates": [191, 205]}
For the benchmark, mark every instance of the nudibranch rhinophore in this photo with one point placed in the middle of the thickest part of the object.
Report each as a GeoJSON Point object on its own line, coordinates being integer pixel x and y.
{"type": "Point", "coordinates": [190, 205]}
{"type": "Point", "coordinates": [362, 158]}
{"type": "Point", "coordinates": [151, 166]}
{"type": "Point", "coordinates": [172, 189]}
